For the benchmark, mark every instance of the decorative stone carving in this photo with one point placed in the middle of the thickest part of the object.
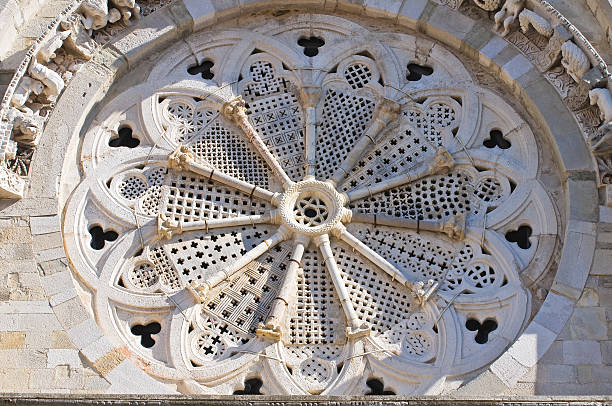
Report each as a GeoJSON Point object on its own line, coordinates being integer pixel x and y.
{"type": "Point", "coordinates": [551, 55]}
{"type": "Point", "coordinates": [53, 83]}
{"type": "Point", "coordinates": [508, 14]}
{"type": "Point", "coordinates": [97, 13]}
{"type": "Point", "coordinates": [488, 5]}
{"type": "Point", "coordinates": [309, 237]}
{"type": "Point", "coordinates": [27, 126]}
{"type": "Point", "coordinates": [603, 100]}
{"type": "Point", "coordinates": [47, 50]}
{"type": "Point", "coordinates": [574, 61]}
{"type": "Point", "coordinates": [79, 42]}
{"type": "Point", "coordinates": [540, 24]}
{"type": "Point", "coordinates": [27, 87]}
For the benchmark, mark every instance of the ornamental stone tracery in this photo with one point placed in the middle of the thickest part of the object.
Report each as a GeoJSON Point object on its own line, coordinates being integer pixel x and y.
{"type": "Point", "coordinates": [311, 221]}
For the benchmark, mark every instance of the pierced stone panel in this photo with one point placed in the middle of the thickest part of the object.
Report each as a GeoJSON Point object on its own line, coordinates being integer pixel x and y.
{"type": "Point", "coordinates": [244, 302]}
{"type": "Point", "coordinates": [344, 118]}
{"type": "Point", "coordinates": [222, 148]}
{"type": "Point", "coordinates": [274, 111]}
{"type": "Point", "coordinates": [192, 198]}
{"type": "Point", "coordinates": [397, 152]}
{"type": "Point", "coordinates": [318, 318]}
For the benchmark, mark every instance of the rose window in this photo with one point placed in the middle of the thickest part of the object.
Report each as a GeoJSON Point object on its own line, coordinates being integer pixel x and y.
{"type": "Point", "coordinates": [312, 222]}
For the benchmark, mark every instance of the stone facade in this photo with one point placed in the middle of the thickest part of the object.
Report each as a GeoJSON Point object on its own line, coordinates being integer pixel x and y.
{"type": "Point", "coordinates": [471, 79]}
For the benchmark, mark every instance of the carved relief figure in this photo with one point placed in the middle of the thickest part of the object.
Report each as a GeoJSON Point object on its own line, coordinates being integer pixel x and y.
{"type": "Point", "coordinates": [508, 14]}
{"type": "Point", "coordinates": [574, 60]}
{"type": "Point", "coordinates": [539, 23]}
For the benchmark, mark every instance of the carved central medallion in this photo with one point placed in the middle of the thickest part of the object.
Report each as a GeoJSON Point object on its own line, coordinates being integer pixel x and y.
{"type": "Point", "coordinates": [312, 207]}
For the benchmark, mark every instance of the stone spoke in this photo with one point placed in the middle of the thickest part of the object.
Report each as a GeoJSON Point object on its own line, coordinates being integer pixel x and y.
{"type": "Point", "coordinates": [310, 99]}
{"type": "Point", "coordinates": [355, 324]}
{"type": "Point", "coordinates": [272, 328]}
{"type": "Point", "coordinates": [167, 228]}
{"type": "Point", "coordinates": [386, 111]}
{"type": "Point", "coordinates": [421, 290]}
{"type": "Point", "coordinates": [236, 111]}
{"type": "Point", "coordinates": [183, 159]}
{"type": "Point", "coordinates": [452, 226]}
{"type": "Point", "coordinates": [441, 162]}
{"type": "Point", "coordinates": [200, 291]}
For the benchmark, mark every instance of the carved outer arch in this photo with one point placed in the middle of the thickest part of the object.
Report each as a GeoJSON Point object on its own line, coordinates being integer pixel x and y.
{"type": "Point", "coordinates": [433, 31]}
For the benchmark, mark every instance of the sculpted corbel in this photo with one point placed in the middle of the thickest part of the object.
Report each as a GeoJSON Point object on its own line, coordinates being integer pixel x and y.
{"type": "Point", "coordinates": [127, 8]}
{"type": "Point", "coordinates": [603, 99]}
{"type": "Point", "coordinates": [78, 42]}
{"type": "Point", "coordinates": [488, 5]}
{"type": "Point", "coordinates": [574, 61]}
{"type": "Point", "coordinates": [47, 51]}
{"type": "Point", "coordinates": [96, 14]}
{"type": "Point", "coordinates": [540, 24]}
{"type": "Point", "coordinates": [508, 14]}
{"type": "Point", "coordinates": [27, 126]}
{"type": "Point", "coordinates": [24, 90]}
{"type": "Point", "coordinates": [50, 79]}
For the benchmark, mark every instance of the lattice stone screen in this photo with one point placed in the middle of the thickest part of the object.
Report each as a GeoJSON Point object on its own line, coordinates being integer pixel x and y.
{"type": "Point", "coordinates": [311, 219]}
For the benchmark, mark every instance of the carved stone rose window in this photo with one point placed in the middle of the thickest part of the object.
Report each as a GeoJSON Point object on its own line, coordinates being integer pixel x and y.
{"type": "Point", "coordinates": [311, 208]}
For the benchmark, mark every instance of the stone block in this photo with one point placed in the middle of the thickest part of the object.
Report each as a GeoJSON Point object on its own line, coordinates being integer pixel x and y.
{"type": "Point", "coordinates": [27, 307]}
{"type": "Point", "coordinates": [202, 12]}
{"type": "Point", "coordinates": [14, 379]}
{"type": "Point", "coordinates": [449, 26]}
{"type": "Point", "coordinates": [602, 262]}
{"type": "Point", "coordinates": [582, 352]}
{"type": "Point", "coordinates": [68, 378]}
{"type": "Point", "coordinates": [582, 189]}
{"type": "Point", "coordinates": [532, 344]}
{"type": "Point", "coordinates": [515, 68]}
{"type": "Point", "coordinates": [12, 340]}
{"type": "Point", "coordinates": [557, 373]}
{"type": "Point", "coordinates": [71, 313]}
{"type": "Point", "coordinates": [45, 242]}
{"type": "Point", "coordinates": [57, 283]}
{"type": "Point", "coordinates": [602, 373]}
{"type": "Point", "coordinates": [42, 378]}
{"type": "Point", "coordinates": [23, 357]}
{"type": "Point", "coordinates": [50, 254]}
{"type": "Point", "coordinates": [576, 262]}
{"type": "Point", "coordinates": [62, 297]}
{"type": "Point", "coordinates": [555, 312]}
{"type": "Point", "coordinates": [63, 356]}
{"type": "Point", "coordinates": [554, 355]}
{"type": "Point", "coordinates": [410, 12]}
{"type": "Point", "coordinates": [588, 324]}
{"type": "Point", "coordinates": [44, 224]}
{"type": "Point", "coordinates": [84, 334]}
{"type": "Point", "coordinates": [97, 349]}
{"type": "Point", "coordinates": [151, 33]}
{"type": "Point", "coordinates": [127, 378]}
{"type": "Point", "coordinates": [508, 369]}
{"type": "Point", "coordinates": [383, 8]}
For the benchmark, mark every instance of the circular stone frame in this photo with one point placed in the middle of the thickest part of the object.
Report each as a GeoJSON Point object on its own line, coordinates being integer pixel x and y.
{"type": "Point", "coordinates": [450, 27]}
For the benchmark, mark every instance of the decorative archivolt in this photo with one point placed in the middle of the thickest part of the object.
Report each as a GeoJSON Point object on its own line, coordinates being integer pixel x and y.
{"type": "Point", "coordinates": [308, 230]}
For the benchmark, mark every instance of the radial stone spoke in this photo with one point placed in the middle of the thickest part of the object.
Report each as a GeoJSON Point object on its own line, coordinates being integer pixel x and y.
{"type": "Point", "coordinates": [421, 290]}
{"type": "Point", "coordinates": [310, 98]}
{"type": "Point", "coordinates": [272, 327]}
{"type": "Point", "coordinates": [452, 226]}
{"type": "Point", "coordinates": [167, 228]}
{"type": "Point", "coordinates": [236, 111]}
{"type": "Point", "coordinates": [356, 327]}
{"type": "Point", "coordinates": [183, 159]}
{"type": "Point", "coordinates": [441, 162]}
{"type": "Point", "coordinates": [386, 111]}
{"type": "Point", "coordinates": [201, 290]}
